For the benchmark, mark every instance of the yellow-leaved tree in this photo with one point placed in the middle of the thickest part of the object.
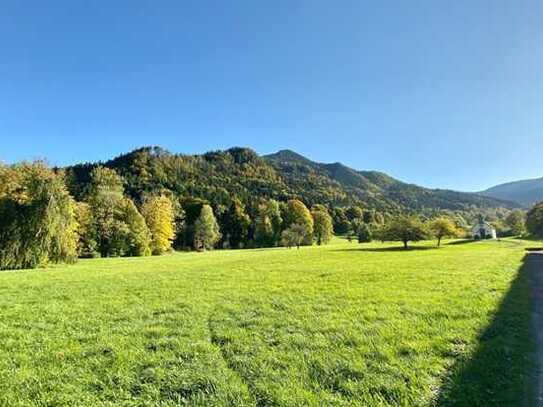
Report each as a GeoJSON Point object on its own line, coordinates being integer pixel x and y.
{"type": "Point", "coordinates": [158, 212]}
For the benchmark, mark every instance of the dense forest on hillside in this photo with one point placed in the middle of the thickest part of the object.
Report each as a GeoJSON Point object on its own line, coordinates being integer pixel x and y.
{"type": "Point", "coordinates": [220, 175]}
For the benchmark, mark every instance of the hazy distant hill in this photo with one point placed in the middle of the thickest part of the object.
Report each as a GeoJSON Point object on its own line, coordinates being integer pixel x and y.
{"type": "Point", "coordinates": [525, 192]}
{"type": "Point", "coordinates": [220, 175]}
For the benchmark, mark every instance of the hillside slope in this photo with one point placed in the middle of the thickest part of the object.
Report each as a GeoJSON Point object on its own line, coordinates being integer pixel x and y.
{"type": "Point", "coordinates": [377, 188]}
{"type": "Point", "coordinates": [217, 176]}
{"type": "Point", "coordinates": [525, 192]}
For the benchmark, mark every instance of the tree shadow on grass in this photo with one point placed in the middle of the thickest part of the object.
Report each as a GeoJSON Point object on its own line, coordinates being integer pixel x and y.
{"type": "Point", "coordinates": [501, 371]}
{"type": "Point", "coordinates": [388, 249]}
{"type": "Point", "coordinates": [457, 242]}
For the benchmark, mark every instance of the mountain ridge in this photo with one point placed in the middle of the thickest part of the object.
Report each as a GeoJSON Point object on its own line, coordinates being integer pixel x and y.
{"type": "Point", "coordinates": [239, 171]}
{"type": "Point", "coordinates": [526, 192]}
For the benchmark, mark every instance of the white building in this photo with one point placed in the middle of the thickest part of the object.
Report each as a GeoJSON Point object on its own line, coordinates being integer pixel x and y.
{"type": "Point", "coordinates": [483, 230]}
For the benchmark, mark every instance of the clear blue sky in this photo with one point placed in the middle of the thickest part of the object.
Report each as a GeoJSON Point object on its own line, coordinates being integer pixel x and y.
{"type": "Point", "coordinates": [439, 93]}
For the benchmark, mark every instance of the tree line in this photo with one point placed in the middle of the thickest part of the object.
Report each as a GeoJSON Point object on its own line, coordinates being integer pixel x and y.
{"type": "Point", "coordinates": [41, 222]}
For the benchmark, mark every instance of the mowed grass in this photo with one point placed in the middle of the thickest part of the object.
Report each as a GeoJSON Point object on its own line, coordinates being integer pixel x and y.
{"type": "Point", "coordinates": [345, 324]}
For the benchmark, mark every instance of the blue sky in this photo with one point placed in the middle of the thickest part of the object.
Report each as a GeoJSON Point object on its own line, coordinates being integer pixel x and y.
{"type": "Point", "coordinates": [443, 94]}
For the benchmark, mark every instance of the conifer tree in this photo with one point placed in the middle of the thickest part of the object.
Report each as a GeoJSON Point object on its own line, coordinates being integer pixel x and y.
{"type": "Point", "coordinates": [206, 229]}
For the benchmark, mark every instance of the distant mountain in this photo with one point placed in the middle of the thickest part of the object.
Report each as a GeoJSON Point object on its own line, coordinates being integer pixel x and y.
{"type": "Point", "coordinates": [526, 192]}
{"type": "Point", "coordinates": [218, 176]}
{"type": "Point", "coordinates": [374, 188]}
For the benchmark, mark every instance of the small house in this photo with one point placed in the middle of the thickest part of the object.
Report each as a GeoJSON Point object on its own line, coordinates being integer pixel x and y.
{"type": "Point", "coordinates": [483, 230]}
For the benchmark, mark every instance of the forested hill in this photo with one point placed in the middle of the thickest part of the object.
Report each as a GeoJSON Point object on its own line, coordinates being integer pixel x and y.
{"type": "Point", "coordinates": [526, 192]}
{"type": "Point", "coordinates": [220, 175]}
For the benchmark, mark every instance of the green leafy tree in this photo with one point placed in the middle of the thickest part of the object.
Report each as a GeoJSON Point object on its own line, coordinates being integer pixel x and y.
{"type": "Point", "coordinates": [405, 229]}
{"type": "Point", "coordinates": [442, 227]}
{"type": "Point", "coordinates": [354, 212]}
{"type": "Point", "coordinates": [159, 215]}
{"type": "Point", "coordinates": [37, 217]}
{"type": "Point", "coordinates": [342, 225]}
{"type": "Point", "coordinates": [322, 225]}
{"type": "Point", "coordinates": [294, 235]}
{"type": "Point", "coordinates": [297, 213]}
{"type": "Point", "coordinates": [534, 220]}
{"type": "Point", "coordinates": [86, 242]}
{"type": "Point", "coordinates": [138, 237]}
{"type": "Point", "coordinates": [206, 229]}
{"type": "Point", "coordinates": [273, 211]}
{"type": "Point", "coordinates": [119, 228]}
{"type": "Point", "coordinates": [516, 222]}
{"type": "Point", "coordinates": [364, 233]}
{"type": "Point", "coordinates": [268, 223]}
{"type": "Point", "coordinates": [235, 224]}
{"type": "Point", "coordinates": [263, 231]}
{"type": "Point", "coordinates": [105, 183]}
{"type": "Point", "coordinates": [191, 210]}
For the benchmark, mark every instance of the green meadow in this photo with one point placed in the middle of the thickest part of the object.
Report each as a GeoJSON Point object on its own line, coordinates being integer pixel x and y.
{"type": "Point", "coordinates": [343, 324]}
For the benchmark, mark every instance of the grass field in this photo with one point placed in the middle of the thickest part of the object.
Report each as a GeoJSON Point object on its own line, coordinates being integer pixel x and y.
{"type": "Point", "coordinates": [345, 324]}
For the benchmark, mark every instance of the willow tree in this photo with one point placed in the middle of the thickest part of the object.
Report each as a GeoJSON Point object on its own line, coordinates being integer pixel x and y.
{"type": "Point", "coordinates": [37, 217]}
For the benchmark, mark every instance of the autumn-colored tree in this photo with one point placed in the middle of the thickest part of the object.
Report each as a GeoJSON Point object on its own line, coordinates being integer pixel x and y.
{"type": "Point", "coordinates": [443, 227]}
{"type": "Point", "coordinates": [158, 212]}
{"type": "Point", "coordinates": [297, 213]}
{"type": "Point", "coordinates": [322, 225]}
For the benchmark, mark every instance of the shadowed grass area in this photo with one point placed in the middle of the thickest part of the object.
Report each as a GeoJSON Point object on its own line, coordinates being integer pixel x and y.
{"type": "Point", "coordinates": [393, 249]}
{"type": "Point", "coordinates": [502, 364]}
{"type": "Point", "coordinates": [316, 326]}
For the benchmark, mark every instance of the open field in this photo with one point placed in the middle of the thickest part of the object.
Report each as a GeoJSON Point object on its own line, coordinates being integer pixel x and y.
{"type": "Point", "coordinates": [345, 324]}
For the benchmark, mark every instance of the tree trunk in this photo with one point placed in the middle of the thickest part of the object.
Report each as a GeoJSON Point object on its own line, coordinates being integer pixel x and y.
{"type": "Point", "coordinates": [439, 241]}
{"type": "Point", "coordinates": [405, 244]}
